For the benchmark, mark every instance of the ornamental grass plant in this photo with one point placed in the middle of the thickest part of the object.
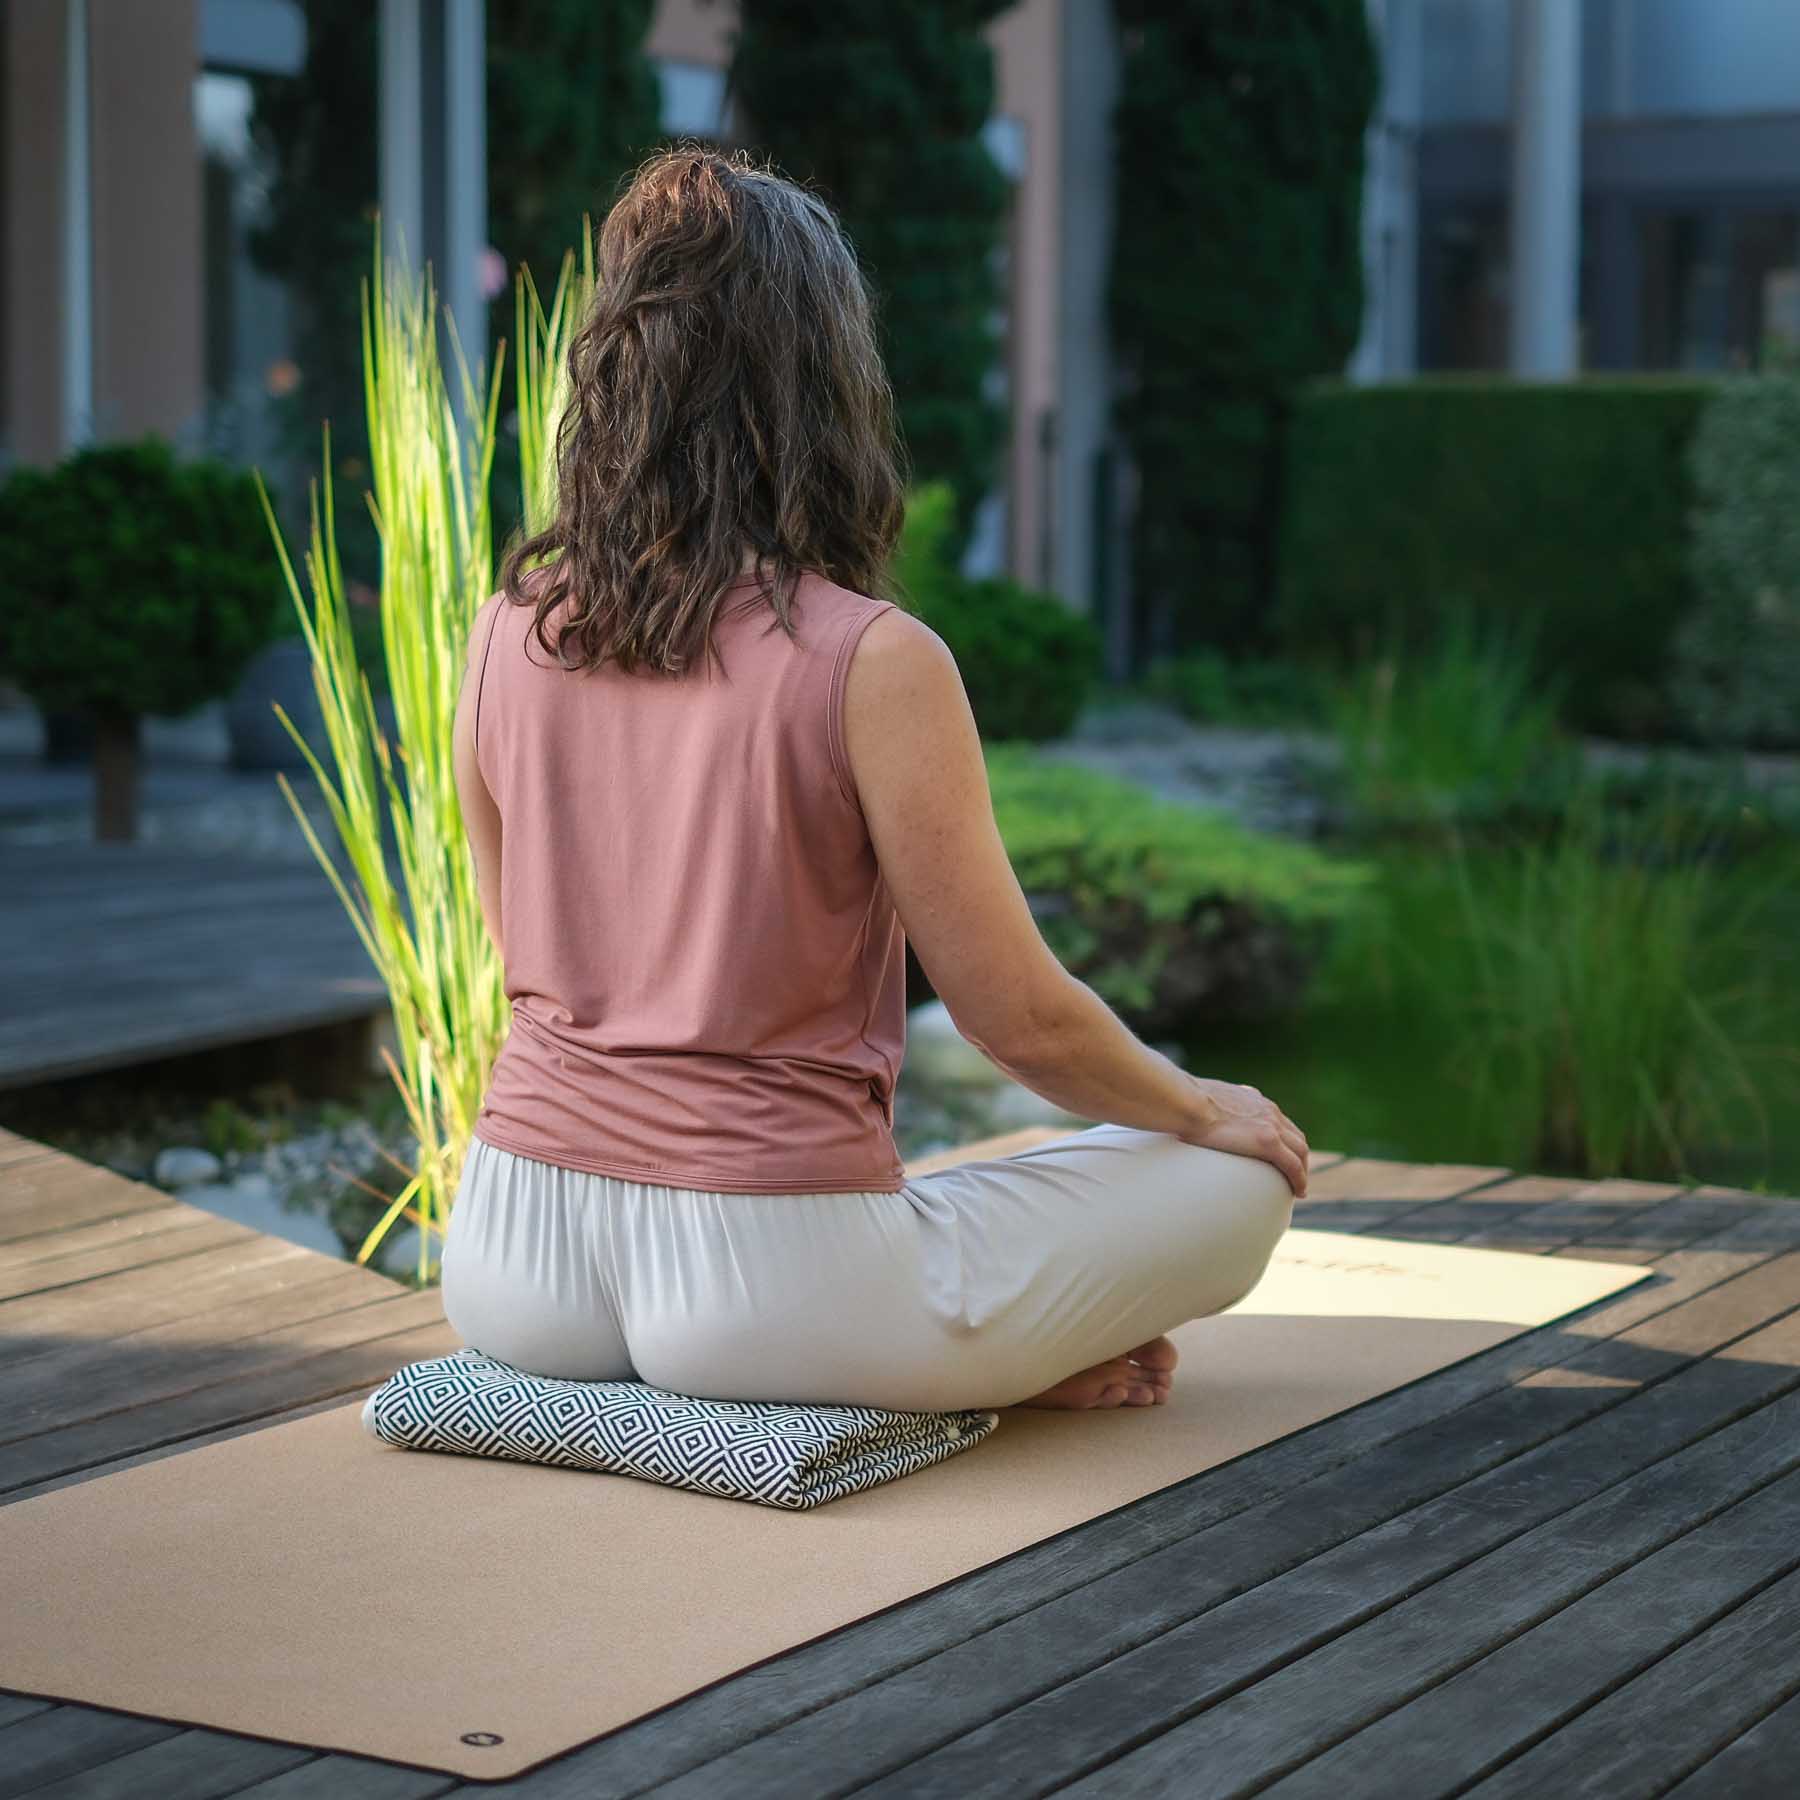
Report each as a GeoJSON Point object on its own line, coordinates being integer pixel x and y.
{"type": "Point", "coordinates": [415, 903]}
{"type": "Point", "coordinates": [1615, 1007]}
{"type": "Point", "coordinates": [1464, 732]}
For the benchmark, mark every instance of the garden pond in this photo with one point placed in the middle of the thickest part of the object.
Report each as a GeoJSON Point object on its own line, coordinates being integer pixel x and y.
{"type": "Point", "coordinates": [1384, 1057]}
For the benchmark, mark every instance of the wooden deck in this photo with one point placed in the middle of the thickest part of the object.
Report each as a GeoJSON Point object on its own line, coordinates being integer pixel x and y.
{"type": "Point", "coordinates": [114, 954]}
{"type": "Point", "coordinates": [1569, 1565]}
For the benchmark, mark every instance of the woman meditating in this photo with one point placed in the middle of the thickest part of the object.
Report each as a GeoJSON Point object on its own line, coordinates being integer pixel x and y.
{"type": "Point", "coordinates": [714, 780]}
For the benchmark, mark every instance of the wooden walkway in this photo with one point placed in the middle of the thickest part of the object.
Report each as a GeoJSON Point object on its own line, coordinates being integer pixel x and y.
{"type": "Point", "coordinates": [1569, 1565]}
{"type": "Point", "coordinates": [114, 954]}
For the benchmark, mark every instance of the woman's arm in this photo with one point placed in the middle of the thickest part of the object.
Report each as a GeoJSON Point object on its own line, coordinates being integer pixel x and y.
{"type": "Point", "coordinates": [916, 761]}
{"type": "Point", "coordinates": [481, 817]}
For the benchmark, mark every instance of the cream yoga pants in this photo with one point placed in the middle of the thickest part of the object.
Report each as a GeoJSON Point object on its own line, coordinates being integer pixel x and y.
{"type": "Point", "coordinates": [976, 1286]}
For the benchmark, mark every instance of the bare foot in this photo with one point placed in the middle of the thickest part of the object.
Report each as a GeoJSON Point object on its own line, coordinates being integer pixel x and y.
{"type": "Point", "coordinates": [1141, 1377]}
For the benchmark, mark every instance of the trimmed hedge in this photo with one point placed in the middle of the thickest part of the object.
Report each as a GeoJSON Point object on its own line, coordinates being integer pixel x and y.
{"type": "Point", "coordinates": [1567, 501]}
{"type": "Point", "coordinates": [1736, 677]}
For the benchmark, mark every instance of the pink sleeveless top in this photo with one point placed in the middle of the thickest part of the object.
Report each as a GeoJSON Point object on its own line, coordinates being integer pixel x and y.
{"type": "Point", "coordinates": [705, 967]}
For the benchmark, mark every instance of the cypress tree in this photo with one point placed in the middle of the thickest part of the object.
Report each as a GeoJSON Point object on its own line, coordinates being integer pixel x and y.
{"type": "Point", "coordinates": [881, 108]}
{"type": "Point", "coordinates": [1237, 274]}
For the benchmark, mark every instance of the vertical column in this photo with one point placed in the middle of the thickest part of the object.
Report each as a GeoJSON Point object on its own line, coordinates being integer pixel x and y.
{"type": "Point", "coordinates": [402, 133]}
{"type": "Point", "coordinates": [36, 253]}
{"type": "Point", "coordinates": [149, 296]}
{"type": "Point", "coordinates": [465, 174]}
{"type": "Point", "coordinates": [1081, 511]}
{"type": "Point", "coordinates": [77, 232]}
{"type": "Point", "coordinates": [1390, 227]}
{"type": "Point", "coordinates": [1546, 187]}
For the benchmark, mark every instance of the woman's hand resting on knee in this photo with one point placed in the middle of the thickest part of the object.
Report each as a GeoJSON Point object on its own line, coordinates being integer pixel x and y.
{"type": "Point", "coordinates": [1248, 1123]}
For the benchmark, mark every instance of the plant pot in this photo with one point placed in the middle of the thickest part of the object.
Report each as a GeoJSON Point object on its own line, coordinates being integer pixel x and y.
{"type": "Point", "coordinates": [281, 672]}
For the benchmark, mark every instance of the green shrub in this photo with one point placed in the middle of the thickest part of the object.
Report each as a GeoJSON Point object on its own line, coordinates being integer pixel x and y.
{"type": "Point", "coordinates": [1027, 661]}
{"type": "Point", "coordinates": [1564, 504]}
{"type": "Point", "coordinates": [1613, 992]}
{"type": "Point", "coordinates": [1465, 732]}
{"type": "Point", "coordinates": [134, 584]}
{"type": "Point", "coordinates": [1736, 673]}
{"type": "Point", "coordinates": [1171, 914]}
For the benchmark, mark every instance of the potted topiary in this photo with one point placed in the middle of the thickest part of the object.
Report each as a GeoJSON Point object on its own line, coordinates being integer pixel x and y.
{"type": "Point", "coordinates": [136, 584]}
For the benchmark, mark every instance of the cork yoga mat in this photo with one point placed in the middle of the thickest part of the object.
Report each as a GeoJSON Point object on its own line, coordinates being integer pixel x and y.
{"type": "Point", "coordinates": [308, 1584]}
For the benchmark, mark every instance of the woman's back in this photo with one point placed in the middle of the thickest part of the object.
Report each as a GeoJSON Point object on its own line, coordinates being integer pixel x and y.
{"type": "Point", "coordinates": [705, 966]}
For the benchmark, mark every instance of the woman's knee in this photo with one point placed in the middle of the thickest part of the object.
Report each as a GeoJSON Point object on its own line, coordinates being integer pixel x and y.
{"type": "Point", "coordinates": [1238, 1209]}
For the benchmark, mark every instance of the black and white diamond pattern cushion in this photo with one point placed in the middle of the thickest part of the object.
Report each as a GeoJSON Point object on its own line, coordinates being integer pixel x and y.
{"type": "Point", "coordinates": [792, 1455]}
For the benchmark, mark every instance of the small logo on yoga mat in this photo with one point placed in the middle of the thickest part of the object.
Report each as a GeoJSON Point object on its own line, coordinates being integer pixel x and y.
{"type": "Point", "coordinates": [483, 1738]}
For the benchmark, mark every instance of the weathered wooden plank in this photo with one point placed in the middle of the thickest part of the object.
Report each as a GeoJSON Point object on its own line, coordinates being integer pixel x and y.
{"type": "Point", "coordinates": [97, 1379]}
{"type": "Point", "coordinates": [177, 1239]}
{"type": "Point", "coordinates": [66, 1739]}
{"type": "Point", "coordinates": [1370, 1178]}
{"type": "Point", "coordinates": [1274, 1675]}
{"type": "Point", "coordinates": [1508, 1700]}
{"type": "Point", "coordinates": [878, 1692]}
{"type": "Point", "coordinates": [357, 1778]}
{"type": "Point", "coordinates": [306, 999]}
{"type": "Point", "coordinates": [15, 1148]}
{"type": "Point", "coordinates": [190, 1765]}
{"type": "Point", "coordinates": [1355, 1215]}
{"type": "Point", "coordinates": [55, 1193]}
{"type": "Point", "coordinates": [180, 1287]}
{"type": "Point", "coordinates": [1675, 1715]}
{"type": "Point", "coordinates": [272, 1391]}
{"type": "Point", "coordinates": [154, 953]}
{"type": "Point", "coordinates": [1643, 1237]}
{"type": "Point", "coordinates": [127, 1239]}
{"type": "Point", "coordinates": [1533, 1190]}
{"type": "Point", "coordinates": [1587, 1219]}
{"type": "Point", "coordinates": [1471, 1215]}
{"type": "Point", "coordinates": [1761, 1760]}
{"type": "Point", "coordinates": [14, 1707]}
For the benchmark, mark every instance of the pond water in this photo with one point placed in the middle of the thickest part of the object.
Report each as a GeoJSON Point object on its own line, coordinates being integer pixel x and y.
{"type": "Point", "coordinates": [1381, 1061]}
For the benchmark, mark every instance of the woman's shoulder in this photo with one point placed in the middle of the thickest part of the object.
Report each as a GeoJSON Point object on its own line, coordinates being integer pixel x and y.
{"type": "Point", "coordinates": [824, 599]}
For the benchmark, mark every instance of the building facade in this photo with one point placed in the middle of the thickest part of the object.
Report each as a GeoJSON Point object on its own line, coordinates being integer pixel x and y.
{"type": "Point", "coordinates": [1636, 161]}
{"type": "Point", "coordinates": [1626, 171]}
{"type": "Point", "coordinates": [130, 302]}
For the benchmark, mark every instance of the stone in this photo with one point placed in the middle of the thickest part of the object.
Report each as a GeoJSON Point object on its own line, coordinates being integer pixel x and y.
{"type": "Point", "coordinates": [936, 1052]}
{"type": "Point", "coordinates": [182, 1165]}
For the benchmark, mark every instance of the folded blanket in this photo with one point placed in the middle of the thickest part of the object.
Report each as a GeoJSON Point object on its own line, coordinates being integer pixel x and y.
{"type": "Point", "coordinates": [792, 1455]}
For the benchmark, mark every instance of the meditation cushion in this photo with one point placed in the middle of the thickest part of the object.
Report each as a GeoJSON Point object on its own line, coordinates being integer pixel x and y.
{"type": "Point", "coordinates": [794, 1455]}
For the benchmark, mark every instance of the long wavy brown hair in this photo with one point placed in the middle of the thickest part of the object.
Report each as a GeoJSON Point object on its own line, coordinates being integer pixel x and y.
{"type": "Point", "coordinates": [727, 399]}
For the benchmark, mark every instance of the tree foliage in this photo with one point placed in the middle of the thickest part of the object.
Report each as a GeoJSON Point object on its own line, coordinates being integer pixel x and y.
{"type": "Point", "coordinates": [881, 108]}
{"type": "Point", "coordinates": [1237, 273]}
{"type": "Point", "coordinates": [137, 584]}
